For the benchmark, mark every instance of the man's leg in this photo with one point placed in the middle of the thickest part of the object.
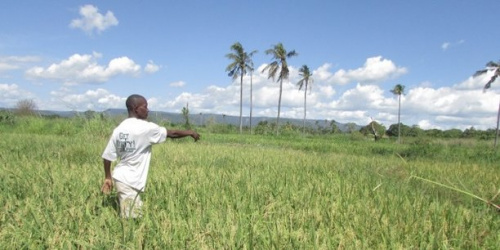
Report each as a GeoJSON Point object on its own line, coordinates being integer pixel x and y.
{"type": "Point", "coordinates": [130, 200]}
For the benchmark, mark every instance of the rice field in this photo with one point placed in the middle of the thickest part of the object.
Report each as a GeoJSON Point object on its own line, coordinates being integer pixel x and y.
{"type": "Point", "coordinates": [231, 191]}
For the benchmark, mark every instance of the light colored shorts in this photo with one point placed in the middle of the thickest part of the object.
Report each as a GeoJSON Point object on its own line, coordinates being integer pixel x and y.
{"type": "Point", "coordinates": [130, 200]}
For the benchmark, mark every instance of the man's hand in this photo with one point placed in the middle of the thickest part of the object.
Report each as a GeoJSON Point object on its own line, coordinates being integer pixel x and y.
{"type": "Point", "coordinates": [195, 136]}
{"type": "Point", "coordinates": [107, 186]}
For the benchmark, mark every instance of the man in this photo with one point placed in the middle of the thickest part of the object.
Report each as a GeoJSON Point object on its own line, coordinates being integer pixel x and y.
{"type": "Point", "coordinates": [131, 143]}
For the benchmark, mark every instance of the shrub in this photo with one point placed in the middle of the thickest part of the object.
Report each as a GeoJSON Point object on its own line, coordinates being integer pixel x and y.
{"type": "Point", "coordinates": [26, 107]}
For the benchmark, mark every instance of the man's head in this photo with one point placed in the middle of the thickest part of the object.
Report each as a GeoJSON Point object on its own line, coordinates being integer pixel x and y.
{"type": "Point", "coordinates": [137, 106]}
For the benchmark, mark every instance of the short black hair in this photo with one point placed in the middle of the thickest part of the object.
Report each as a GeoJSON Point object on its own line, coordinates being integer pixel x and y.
{"type": "Point", "coordinates": [132, 100]}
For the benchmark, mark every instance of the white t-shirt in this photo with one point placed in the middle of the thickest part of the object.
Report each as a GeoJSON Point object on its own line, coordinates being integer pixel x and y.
{"type": "Point", "coordinates": [131, 143]}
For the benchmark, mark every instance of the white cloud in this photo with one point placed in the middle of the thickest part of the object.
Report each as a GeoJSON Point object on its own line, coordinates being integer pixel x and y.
{"type": "Point", "coordinates": [84, 69]}
{"type": "Point", "coordinates": [91, 20]}
{"type": "Point", "coordinates": [451, 102]}
{"type": "Point", "coordinates": [478, 82]}
{"type": "Point", "coordinates": [445, 45]}
{"type": "Point", "coordinates": [97, 100]}
{"type": "Point", "coordinates": [7, 66]}
{"type": "Point", "coordinates": [323, 72]}
{"type": "Point", "coordinates": [195, 102]}
{"type": "Point", "coordinates": [363, 97]}
{"type": "Point", "coordinates": [151, 67]}
{"type": "Point", "coordinates": [15, 62]}
{"type": "Point", "coordinates": [425, 124]}
{"type": "Point", "coordinates": [177, 84]}
{"type": "Point", "coordinates": [10, 94]}
{"type": "Point", "coordinates": [375, 69]}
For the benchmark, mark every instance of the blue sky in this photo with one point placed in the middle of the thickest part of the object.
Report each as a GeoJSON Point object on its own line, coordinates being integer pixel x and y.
{"type": "Point", "coordinates": [90, 55]}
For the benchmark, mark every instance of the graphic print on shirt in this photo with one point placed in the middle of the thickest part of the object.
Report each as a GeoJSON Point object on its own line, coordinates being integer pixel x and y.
{"type": "Point", "coordinates": [124, 144]}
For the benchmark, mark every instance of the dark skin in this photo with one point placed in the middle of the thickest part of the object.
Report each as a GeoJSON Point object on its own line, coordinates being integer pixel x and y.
{"type": "Point", "coordinates": [138, 108]}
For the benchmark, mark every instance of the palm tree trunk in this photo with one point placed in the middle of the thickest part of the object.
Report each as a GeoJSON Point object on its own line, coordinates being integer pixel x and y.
{"type": "Point", "coordinates": [279, 109]}
{"type": "Point", "coordinates": [251, 100]}
{"type": "Point", "coordinates": [304, 121]}
{"type": "Point", "coordinates": [399, 119]}
{"type": "Point", "coordinates": [241, 103]}
{"type": "Point", "coordinates": [498, 122]}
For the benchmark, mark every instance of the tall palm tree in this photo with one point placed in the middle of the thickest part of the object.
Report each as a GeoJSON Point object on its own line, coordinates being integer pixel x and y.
{"type": "Point", "coordinates": [304, 82]}
{"type": "Point", "coordinates": [251, 86]}
{"type": "Point", "coordinates": [238, 68]}
{"type": "Point", "coordinates": [399, 90]}
{"type": "Point", "coordinates": [279, 63]}
{"type": "Point", "coordinates": [495, 67]}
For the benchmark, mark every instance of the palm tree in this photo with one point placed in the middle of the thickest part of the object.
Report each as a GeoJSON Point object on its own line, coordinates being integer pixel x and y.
{"type": "Point", "coordinates": [495, 67]}
{"type": "Point", "coordinates": [251, 86]}
{"type": "Point", "coordinates": [280, 55]}
{"type": "Point", "coordinates": [399, 90]}
{"type": "Point", "coordinates": [304, 82]}
{"type": "Point", "coordinates": [238, 67]}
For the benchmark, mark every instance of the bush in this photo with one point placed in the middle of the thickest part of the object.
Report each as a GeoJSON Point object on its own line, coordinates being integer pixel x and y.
{"type": "Point", "coordinates": [26, 107]}
{"type": "Point", "coordinates": [7, 117]}
{"type": "Point", "coordinates": [422, 147]}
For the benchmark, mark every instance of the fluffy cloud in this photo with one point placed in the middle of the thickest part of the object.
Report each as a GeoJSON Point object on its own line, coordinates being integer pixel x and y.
{"type": "Point", "coordinates": [10, 94]}
{"type": "Point", "coordinates": [177, 84]}
{"type": "Point", "coordinates": [15, 62]}
{"type": "Point", "coordinates": [375, 69]}
{"type": "Point", "coordinates": [7, 66]}
{"type": "Point", "coordinates": [451, 102]}
{"type": "Point", "coordinates": [151, 67]}
{"type": "Point", "coordinates": [477, 82]}
{"type": "Point", "coordinates": [84, 69]}
{"type": "Point", "coordinates": [446, 45]}
{"type": "Point", "coordinates": [195, 102]}
{"type": "Point", "coordinates": [90, 20]}
{"type": "Point", "coordinates": [362, 97]}
{"type": "Point", "coordinates": [99, 99]}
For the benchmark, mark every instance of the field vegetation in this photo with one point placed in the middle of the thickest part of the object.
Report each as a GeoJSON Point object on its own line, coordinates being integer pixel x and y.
{"type": "Point", "coordinates": [246, 191]}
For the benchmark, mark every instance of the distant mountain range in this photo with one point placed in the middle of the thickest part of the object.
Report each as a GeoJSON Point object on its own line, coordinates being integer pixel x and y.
{"type": "Point", "coordinates": [201, 119]}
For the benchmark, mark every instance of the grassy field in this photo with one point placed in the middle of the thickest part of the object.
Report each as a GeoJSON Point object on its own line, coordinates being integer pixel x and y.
{"type": "Point", "coordinates": [232, 191]}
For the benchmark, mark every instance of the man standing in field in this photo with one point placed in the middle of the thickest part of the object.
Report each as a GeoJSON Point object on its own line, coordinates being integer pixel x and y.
{"type": "Point", "coordinates": [131, 143]}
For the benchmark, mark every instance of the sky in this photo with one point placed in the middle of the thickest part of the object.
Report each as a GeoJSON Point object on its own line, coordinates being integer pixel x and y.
{"type": "Point", "coordinates": [91, 55]}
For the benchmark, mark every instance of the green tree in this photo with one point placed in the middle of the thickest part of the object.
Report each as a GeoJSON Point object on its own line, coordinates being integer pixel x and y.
{"type": "Point", "coordinates": [470, 133]}
{"type": "Point", "coordinates": [373, 128]}
{"type": "Point", "coordinates": [395, 129]}
{"type": "Point", "coordinates": [495, 67]}
{"type": "Point", "coordinates": [335, 128]}
{"type": "Point", "coordinates": [399, 90]}
{"type": "Point", "coordinates": [434, 132]}
{"type": "Point", "coordinates": [279, 63]}
{"type": "Point", "coordinates": [304, 83]}
{"type": "Point", "coordinates": [185, 114]}
{"type": "Point", "coordinates": [241, 61]}
{"type": "Point", "coordinates": [452, 133]}
{"type": "Point", "coordinates": [415, 131]}
{"type": "Point", "coordinates": [351, 127]}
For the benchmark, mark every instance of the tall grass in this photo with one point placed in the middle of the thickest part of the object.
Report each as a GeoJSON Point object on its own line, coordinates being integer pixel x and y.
{"type": "Point", "coordinates": [234, 191]}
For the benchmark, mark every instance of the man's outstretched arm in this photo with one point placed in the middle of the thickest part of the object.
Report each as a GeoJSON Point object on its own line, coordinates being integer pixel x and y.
{"type": "Point", "coordinates": [174, 134]}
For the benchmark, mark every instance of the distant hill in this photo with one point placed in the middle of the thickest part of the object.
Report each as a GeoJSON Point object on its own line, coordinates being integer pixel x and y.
{"type": "Point", "coordinates": [200, 119]}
